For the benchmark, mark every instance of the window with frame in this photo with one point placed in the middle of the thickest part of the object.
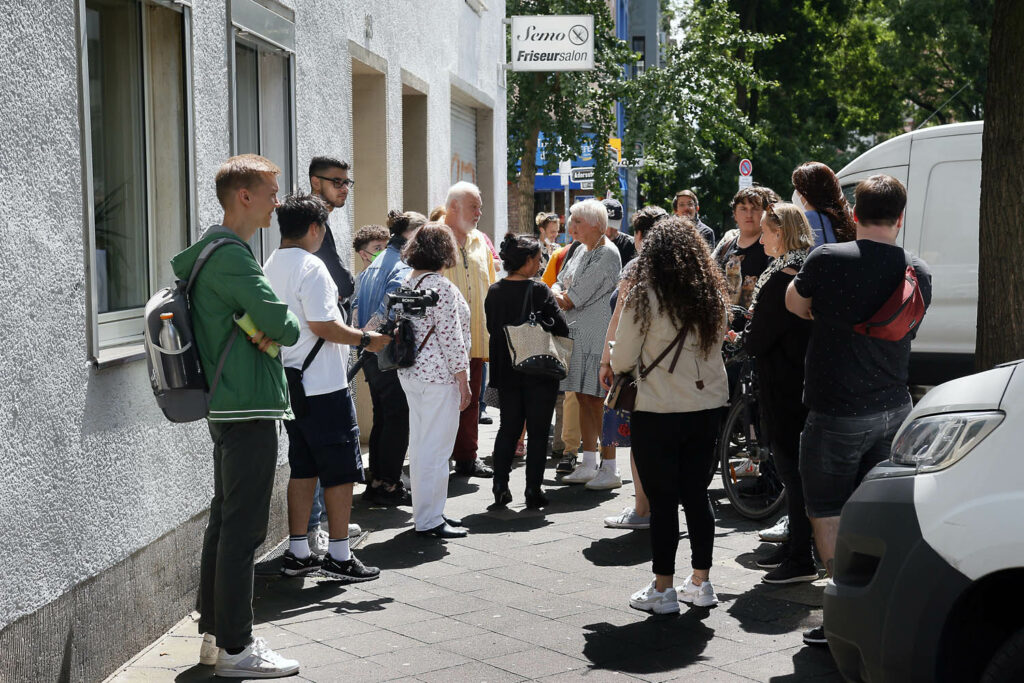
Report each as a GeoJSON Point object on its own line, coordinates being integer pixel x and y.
{"type": "Point", "coordinates": [136, 130]}
{"type": "Point", "coordinates": [264, 98]}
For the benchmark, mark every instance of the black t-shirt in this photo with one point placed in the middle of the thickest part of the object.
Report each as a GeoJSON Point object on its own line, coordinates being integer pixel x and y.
{"type": "Point", "coordinates": [742, 266]}
{"type": "Point", "coordinates": [504, 306]}
{"type": "Point", "coordinates": [850, 374]}
{"type": "Point", "coordinates": [343, 279]}
{"type": "Point", "coordinates": [627, 250]}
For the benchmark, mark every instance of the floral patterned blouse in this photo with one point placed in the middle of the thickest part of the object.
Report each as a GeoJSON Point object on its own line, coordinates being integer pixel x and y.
{"type": "Point", "coordinates": [447, 350]}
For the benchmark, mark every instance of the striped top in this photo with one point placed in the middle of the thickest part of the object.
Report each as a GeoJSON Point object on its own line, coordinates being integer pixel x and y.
{"type": "Point", "coordinates": [473, 274]}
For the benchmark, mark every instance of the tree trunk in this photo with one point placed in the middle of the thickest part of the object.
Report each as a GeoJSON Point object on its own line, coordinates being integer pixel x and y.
{"type": "Point", "coordinates": [523, 186]}
{"type": "Point", "coordinates": [1001, 238]}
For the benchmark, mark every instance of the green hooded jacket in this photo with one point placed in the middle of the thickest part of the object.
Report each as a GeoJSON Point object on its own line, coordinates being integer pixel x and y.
{"type": "Point", "coordinates": [252, 385]}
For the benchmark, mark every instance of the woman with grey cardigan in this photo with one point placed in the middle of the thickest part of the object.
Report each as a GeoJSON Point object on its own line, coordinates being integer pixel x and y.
{"type": "Point", "coordinates": [582, 291]}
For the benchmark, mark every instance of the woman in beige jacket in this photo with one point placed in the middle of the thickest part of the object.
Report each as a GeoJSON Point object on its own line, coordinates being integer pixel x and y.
{"type": "Point", "coordinates": [676, 303]}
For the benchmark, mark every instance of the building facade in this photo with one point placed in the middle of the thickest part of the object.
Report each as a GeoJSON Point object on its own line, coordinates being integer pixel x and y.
{"type": "Point", "coordinates": [116, 116]}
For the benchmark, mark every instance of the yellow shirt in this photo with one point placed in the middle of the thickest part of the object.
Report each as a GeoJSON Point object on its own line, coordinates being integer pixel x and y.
{"type": "Point", "coordinates": [473, 274]}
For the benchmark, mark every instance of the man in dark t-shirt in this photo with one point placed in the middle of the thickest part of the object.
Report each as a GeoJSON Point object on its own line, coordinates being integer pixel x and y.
{"type": "Point", "coordinates": [855, 386]}
{"type": "Point", "coordinates": [622, 241]}
{"type": "Point", "coordinates": [740, 253]}
{"type": "Point", "coordinates": [328, 179]}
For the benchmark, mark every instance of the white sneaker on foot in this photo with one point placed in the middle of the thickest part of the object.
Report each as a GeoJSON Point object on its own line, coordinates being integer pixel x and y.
{"type": "Point", "coordinates": [581, 475]}
{"type": "Point", "coordinates": [650, 600]}
{"type": "Point", "coordinates": [776, 534]}
{"type": "Point", "coordinates": [208, 651]}
{"type": "Point", "coordinates": [255, 661]}
{"type": "Point", "coordinates": [701, 596]}
{"type": "Point", "coordinates": [354, 530]}
{"type": "Point", "coordinates": [318, 540]}
{"type": "Point", "coordinates": [606, 478]}
{"type": "Point", "coordinates": [744, 467]}
{"type": "Point", "coordinates": [628, 519]}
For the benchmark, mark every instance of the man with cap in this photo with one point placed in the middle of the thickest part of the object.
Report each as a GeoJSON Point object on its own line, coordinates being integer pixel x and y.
{"type": "Point", "coordinates": [624, 242]}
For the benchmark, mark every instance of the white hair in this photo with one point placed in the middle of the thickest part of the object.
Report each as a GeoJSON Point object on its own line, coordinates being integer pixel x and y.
{"type": "Point", "coordinates": [591, 212]}
{"type": "Point", "coordinates": [460, 190]}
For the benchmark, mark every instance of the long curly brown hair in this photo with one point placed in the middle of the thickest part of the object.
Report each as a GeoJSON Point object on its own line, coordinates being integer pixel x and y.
{"type": "Point", "coordinates": [820, 187]}
{"type": "Point", "coordinates": [675, 263]}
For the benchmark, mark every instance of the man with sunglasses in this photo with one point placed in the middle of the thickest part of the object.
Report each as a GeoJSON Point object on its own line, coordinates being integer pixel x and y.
{"type": "Point", "coordinates": [328, 180]}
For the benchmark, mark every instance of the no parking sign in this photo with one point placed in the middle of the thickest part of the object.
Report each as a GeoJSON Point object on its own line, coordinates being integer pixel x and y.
{"type": "Point", "coordinates": [746, 169]}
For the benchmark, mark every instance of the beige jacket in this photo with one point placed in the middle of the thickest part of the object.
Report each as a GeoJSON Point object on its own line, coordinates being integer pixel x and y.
{"type": "Point", "coordinates": [662, 392]}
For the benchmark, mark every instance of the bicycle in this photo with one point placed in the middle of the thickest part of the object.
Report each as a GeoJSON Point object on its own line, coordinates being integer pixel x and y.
{"type": "Point", "coordinates": [749, 477]}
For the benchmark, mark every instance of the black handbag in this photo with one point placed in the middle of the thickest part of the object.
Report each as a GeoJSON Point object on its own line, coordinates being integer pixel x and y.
{"type": "Point", "coordinates": [401, 351]}
{"type": "Point", "coordinates": [622, 395]}
{"type": "Point", "coordinates": [533, 349]}
{"type": "Point", "coordinates": [296, 392]}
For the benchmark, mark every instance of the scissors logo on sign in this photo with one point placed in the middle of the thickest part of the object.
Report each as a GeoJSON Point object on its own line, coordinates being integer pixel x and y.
{"type": "Point", "coordinates": [578, 34]}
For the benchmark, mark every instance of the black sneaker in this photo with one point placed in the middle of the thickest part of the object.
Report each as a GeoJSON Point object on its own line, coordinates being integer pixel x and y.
{"type": "Point", "coordinates": [393, 498]}
{"type": "Point", "coordinates": [294, 566]}
{"type": "Point", "coordinates": [775, 557]}
{"type": "Point", "coordinates": [473, 468]}
{"type": "Point", "coordinates": [349, 571]}
{"type": "Point", "coordinates": [792, 571]}
{"type": "Point", "coordinates": [816, 636]}
{"type": "Point", "coordinates": [566, 465]}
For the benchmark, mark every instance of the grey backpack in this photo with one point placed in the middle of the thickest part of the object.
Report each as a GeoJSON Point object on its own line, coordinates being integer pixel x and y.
{"type": "Point", "coordinates": [175, 371]}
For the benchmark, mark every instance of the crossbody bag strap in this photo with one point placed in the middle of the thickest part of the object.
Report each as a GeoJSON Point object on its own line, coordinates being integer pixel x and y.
{"type": "Point", "coordinates": [422, 278]}
{"type": "Point", "coordinates": [646, 370]}
{"type": "Point", "coordinates": [312, 354]}
{"type": "Point", "coordinates": [423, 343]}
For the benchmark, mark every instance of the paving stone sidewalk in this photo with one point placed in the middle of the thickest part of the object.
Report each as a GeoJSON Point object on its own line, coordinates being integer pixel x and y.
{"type": "Point", "coordinates": [528, 595]}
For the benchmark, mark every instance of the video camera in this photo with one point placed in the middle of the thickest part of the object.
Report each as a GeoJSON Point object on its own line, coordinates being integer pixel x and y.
{"type": "Point", "coordinates": [412, 302]}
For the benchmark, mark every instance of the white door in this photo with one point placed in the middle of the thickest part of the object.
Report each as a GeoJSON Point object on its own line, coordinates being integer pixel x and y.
{"type": "Point", "coordinates": [463, 161]}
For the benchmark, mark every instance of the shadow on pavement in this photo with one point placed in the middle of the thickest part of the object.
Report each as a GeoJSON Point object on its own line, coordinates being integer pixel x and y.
{"type": "Point", "coordinates": [404, 550]}
{"type": "Point", "coordinates": [196, 673]}
{"type": "Point", "coordinates": [623, 551]}
{"type": "Point", "coordinates": [279, 599]}
{"type": "Point", "coordinates": [656, 644]}
{"type": "Point", "coordinates": [504, 520]}
{"type": "Point", "coordinates": [759, 610]}
{"type": "Point", "coordinates": [811, 663]}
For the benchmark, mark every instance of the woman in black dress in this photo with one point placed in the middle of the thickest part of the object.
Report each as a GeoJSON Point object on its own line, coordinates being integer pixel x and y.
{"type": "Point", "coordinates": [523, 398]}
{"type": "Point", "coordinates": [778, 341]}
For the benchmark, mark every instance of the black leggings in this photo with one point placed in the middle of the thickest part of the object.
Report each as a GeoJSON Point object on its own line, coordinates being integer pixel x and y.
{"type": "Point", "coordinates": [389, 436]}
{"type": "Point", "coordinates": [673, 454]}
{"type": "Point", "coordinates": [533, 405]}
{"type": "Point", "coordinates": [785, 439]}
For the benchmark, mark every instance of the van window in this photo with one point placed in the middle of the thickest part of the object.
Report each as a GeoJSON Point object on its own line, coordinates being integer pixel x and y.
{"type": "Point", "coordinates": [949, 231]}
{"type": "Point", "coordinates": [848, 193]}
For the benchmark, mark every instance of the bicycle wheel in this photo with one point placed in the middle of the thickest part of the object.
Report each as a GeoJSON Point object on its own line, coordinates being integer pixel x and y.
{"type": "Point", "coordinates": [748, 471]}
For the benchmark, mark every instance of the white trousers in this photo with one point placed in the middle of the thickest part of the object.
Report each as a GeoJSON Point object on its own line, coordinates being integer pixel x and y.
{"type": "Point", "coordinates": [433, 425]}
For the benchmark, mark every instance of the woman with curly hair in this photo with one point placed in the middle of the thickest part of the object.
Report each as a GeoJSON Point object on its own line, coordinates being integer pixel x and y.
{"type": "Point", "coordinates": [818, 190]}
{"type": "Point", "coordinates": [676, 308]}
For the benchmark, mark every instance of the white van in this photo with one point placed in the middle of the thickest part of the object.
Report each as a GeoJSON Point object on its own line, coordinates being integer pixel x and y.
{"type": "Point", "coordinates": [930, 550]}
{"type": "Point", "coordinates": [941, 169]}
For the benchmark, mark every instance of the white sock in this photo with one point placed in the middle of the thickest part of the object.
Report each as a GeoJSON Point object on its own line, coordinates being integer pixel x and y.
{"type": "Point", "coordinates": [590, 458]}
{"type": "Point", "coordinates": [608, 464]}
{"type": "Point", "coordinates": [339, 550]}
{"type": "Point", "coordinates": [299, 546]}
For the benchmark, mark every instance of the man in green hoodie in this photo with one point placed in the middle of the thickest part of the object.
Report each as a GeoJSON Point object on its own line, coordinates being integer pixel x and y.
{"type": "Point", "coordinates": [251, 396]}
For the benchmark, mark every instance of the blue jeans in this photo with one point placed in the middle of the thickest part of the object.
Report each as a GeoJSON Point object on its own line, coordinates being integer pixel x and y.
{"type": "Point", "coordinates": [836, 452]}
{"type": "Point", "coordinates": [319, 508]}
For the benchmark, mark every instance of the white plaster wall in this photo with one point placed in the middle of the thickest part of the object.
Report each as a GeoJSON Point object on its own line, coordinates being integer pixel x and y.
{"type": "Point", "coordinates": [90, 470]}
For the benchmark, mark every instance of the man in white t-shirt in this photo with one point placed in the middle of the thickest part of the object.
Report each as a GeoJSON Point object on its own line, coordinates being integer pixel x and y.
{"type": "Point", "coordinates": [323, 439]}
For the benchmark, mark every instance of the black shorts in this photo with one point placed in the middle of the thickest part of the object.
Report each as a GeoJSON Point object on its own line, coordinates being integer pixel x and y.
{"type": "Point", "coordinates": [325, 443]}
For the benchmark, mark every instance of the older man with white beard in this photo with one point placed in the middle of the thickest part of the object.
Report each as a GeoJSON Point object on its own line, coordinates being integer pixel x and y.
{"type": "Point", "coordinates": [473, 274]}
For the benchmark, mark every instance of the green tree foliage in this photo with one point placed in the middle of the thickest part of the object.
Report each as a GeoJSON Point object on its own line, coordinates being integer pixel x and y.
{"type": "Point", "coordinates": [565, 106]}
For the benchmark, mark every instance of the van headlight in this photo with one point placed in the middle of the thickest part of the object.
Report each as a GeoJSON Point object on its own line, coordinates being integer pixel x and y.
{"type": "Point", "coordinates": [935, 442]}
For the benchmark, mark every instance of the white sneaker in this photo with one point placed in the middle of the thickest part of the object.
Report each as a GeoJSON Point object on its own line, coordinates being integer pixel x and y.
{"type": "Point", "coordinates": [255, 661]}
{"type": "Point", "coordinates": [606, 478]}
{"type": "Point", "coordinates": [628, 520]}
{"type": "Point", "coordinates": [581, 475]}
{"type": "Point", "coordinates": [776, 534]}
{"type": "Point", "coordinates": [208, 651]}
{"type": "Point", "coordinates": [318, 540]}
{"type": "Point", "coordinates": [354, 530]}
{"type": "Point", "coordinates": [656, 602]}
{"type": "Point", "coordinates": [701, 596]}
{"type": "Point", "coordinates": [744, 467]}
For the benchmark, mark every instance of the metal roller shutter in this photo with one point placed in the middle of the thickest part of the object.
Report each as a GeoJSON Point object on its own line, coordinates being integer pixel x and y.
{"type": "Point", "coordinates": [463, 143]}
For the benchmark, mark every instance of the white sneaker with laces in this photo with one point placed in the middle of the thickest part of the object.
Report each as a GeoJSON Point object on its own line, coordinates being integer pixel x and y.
{"type": "Point", "coordinates": [255, 661]}
{"type": "Point", "coordinates": [606, 478]}
{"type": "Point", "coordinates": [208, 651]}
{"type": "Point", "coordinates": [776, 534]}
{"type": "Point", "coordinates": [318, 540]}
{"type": "Point", "coordinates": [744, 467]}
{"type": "Point", "coordinates": [354, 530]}
{"type": "Point", "coordinates": [628, 519]}
{"type": "Point", "coordinates": [701, 596]}
{"type": "Point", "coordinates": [581, 475]}
{"type": "Point", "coordinates": [650, 600]}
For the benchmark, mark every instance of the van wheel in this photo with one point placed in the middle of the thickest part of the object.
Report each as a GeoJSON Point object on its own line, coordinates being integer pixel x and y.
{"type": "Point", "coordinates": [1007, 664]}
